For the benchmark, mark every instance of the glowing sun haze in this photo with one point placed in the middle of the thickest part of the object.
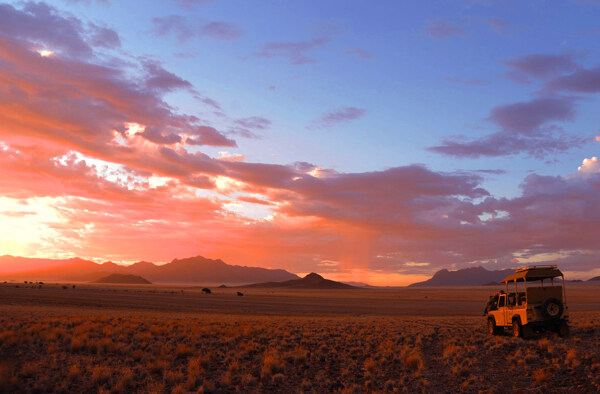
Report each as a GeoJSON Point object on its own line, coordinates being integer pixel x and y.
{"type": "Point", "coordinates": [369, 144]}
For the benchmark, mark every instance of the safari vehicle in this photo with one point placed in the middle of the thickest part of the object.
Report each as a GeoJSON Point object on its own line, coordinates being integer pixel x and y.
{"type": "Point", "coordinates": [540, 304]}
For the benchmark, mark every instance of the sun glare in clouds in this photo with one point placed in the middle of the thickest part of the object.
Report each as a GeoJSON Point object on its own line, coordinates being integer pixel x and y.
{"type": "Point", "coordinates": [26, 226]}
{"type": "Point", "coordinates": [375, 278]}
{"type": "Point", "coordinates": [45, 52]}
{"type": "Point", "coordinates": [226, 156]}
{"type": "Point", "coordinates": [112, 172]}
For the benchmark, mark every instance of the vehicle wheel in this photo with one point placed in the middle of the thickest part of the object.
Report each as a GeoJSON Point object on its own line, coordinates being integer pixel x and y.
{"type": "Point", "coordinates": [493, 329]}
{"type": "Point", "coordinates": [517, 329]}
{"type": "Point", "coordinates": [563, 329]}
{"type": "Point", "coordinates": [552, 309]}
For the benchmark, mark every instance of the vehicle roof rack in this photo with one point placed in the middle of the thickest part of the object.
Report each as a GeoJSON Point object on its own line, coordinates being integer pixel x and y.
{"type": "Point", "coordinates": [533, 267]}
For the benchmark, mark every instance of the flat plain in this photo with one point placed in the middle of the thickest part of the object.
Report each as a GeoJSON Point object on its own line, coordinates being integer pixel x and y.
{"type": "Point", "coordinates": [120, 338]}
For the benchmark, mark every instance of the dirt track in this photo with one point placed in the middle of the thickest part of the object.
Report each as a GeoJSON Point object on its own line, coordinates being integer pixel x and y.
{"type": "Point", "coordinates": [378, 302]}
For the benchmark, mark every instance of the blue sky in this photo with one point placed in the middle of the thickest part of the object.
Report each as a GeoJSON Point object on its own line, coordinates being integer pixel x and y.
{"type": "Point", "coordinates": [416, 88]}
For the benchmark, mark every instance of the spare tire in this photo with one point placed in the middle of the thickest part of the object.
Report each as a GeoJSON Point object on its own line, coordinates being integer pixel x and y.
{"type": "Point", "coordinates": [552, 309]}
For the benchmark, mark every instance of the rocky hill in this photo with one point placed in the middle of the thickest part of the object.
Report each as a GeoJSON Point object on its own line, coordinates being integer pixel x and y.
{"type": "Point", "coordinates": [476, 276]}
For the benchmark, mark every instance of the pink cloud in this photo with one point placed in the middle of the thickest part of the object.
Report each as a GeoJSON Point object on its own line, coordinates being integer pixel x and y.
{"type": "Point", "coordinates": [524, 128]}
{"type": "Point", "coordinates": [173, 24]}
{"type": "Point", "coordinates": [581, 81]}
{"type": "Point", "coordinates": [359, 53]}
{"type": "Point", "coordinates": [162, 80]}
{"type": "Point", "coordinates": [156, 135]}
{"type": "Point", "coordinates": [337, 117]}
{"type": "Point", "coordinates": [591, 165]}
{"type": "Point", "coordinates": [219, 31]}
{"type": "Point", "coordinates": [104, 37]}
{"type": "Point", "coordinates": [16, 214]}
{"type": "Point", "coordinates": [539, 66]}
{"type": "Point", "coordinates": [407, 214]}
{"type": "Point", "coordinates": [440, 30]}
{"type": "Point", "coordinates": [41, 23]}
{"type": "Point", "coordinates": [105, 2]}
{"type": "Point", "coordinates": [254, 122]}
{"type": "Point", "coordinates": [111, 99]}
{"type": "Point", "coordinates": [294, 51]}
{"type": "Point", "coordinates": [192, 3]}
{"type": "Point", "coordinates": [205, 135]}
{"type": "Point", "coordinates": [242, 127]}
{"type": "Point", "coordinates": [498, 25]}
{"type": "Point", "coordinates": [185, 29]}
{"type": "Point", "coordinates": [530, 115]}
{"type": "Point", "coordinates": [469, 81]}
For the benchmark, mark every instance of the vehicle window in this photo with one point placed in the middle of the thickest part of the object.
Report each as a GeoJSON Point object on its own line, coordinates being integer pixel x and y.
{"type": "Point", "coordinates": [512, 301]}
{"type": "Point", "coordinates": [501, 301]}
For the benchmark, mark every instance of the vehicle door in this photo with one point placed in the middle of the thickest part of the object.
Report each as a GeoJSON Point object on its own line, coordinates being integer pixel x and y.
{"type": "Point", "coordinates": [502, 311]}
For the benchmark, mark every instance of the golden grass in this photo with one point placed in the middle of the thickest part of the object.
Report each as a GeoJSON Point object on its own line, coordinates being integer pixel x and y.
{"type": "Point", "coordinates": [80, 349]}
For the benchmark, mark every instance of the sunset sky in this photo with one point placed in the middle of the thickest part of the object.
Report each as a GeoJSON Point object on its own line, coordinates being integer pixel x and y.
{"type": "Point", "coordinates": [367, 141]}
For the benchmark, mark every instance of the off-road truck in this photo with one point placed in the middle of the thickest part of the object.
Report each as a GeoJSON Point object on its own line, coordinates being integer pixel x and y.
{"type": "Point", "coordinates": [537, 306]}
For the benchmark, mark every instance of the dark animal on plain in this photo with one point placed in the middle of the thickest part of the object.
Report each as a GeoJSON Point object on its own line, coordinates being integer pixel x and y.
{"type": "Point", "coordinates": [206, 290]}
{"type": "Point", "coordinates": [240, 293]}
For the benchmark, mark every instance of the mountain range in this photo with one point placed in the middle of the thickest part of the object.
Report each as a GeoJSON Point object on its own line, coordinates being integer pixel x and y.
{"type": "Point", "coordinates": [475, 276]}
{"type": "Point", "coordinates": [185, 271]}
{"type": "Point", "coordinates": [200, 270]}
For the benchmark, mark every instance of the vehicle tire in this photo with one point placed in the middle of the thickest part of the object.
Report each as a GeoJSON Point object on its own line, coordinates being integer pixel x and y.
{"type": "Point", "coordinates": [552, 309]}
{"type": "Point", "coordinates": [563, 329]}
{"type": "Point", "coordinates": [517, 328]}
{"type": "Point", "coordinates": [493, 329]}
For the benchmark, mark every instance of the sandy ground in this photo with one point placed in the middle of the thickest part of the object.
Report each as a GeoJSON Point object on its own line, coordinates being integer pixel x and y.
{"type": "Point", "coordinates": [103, 338]}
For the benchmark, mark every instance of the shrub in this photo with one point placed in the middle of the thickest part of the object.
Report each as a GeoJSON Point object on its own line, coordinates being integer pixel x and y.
{"type": "Point", "coordinates": [101, 374]}
{"type": "Point", "coordinates": [194, 371]}
{"type": "Point", "coordinates": [278, 378]}
{"type": "Point", "coordinates": [414, 361]}
{"type": "Point", "coordinates": [74, 372]}
{"type": "Point", "coordinates": [182, 351]}
{"type": "Point", "coordinates": [248, 380]}
{"type": "Point", "coordinates": [271, 364]}
{"type": "Point", "coordinates": [572, 358]}
{"type": "Point", "coordinates": [126, 380]}
{"type": "Point", "coordinates": [370, 366]}
{"type": "Point", "coordinates": [540, 375]}
{"type": "Point", "coordinates": [30, 369]}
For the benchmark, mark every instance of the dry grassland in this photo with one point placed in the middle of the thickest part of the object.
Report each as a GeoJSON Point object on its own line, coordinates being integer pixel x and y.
{"type": "Point", "coordinates": [95, 348]}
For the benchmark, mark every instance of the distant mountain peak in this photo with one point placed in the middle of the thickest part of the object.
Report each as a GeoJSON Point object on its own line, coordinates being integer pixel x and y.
{"type": "Point", "coordinates": [471, 276]}
{"type": "Point", "coordinates": [313, 276]}
{"type": "Point", "coordinates": [310, 281]}
{"type": "Point", "coordinates": [123, 279]}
